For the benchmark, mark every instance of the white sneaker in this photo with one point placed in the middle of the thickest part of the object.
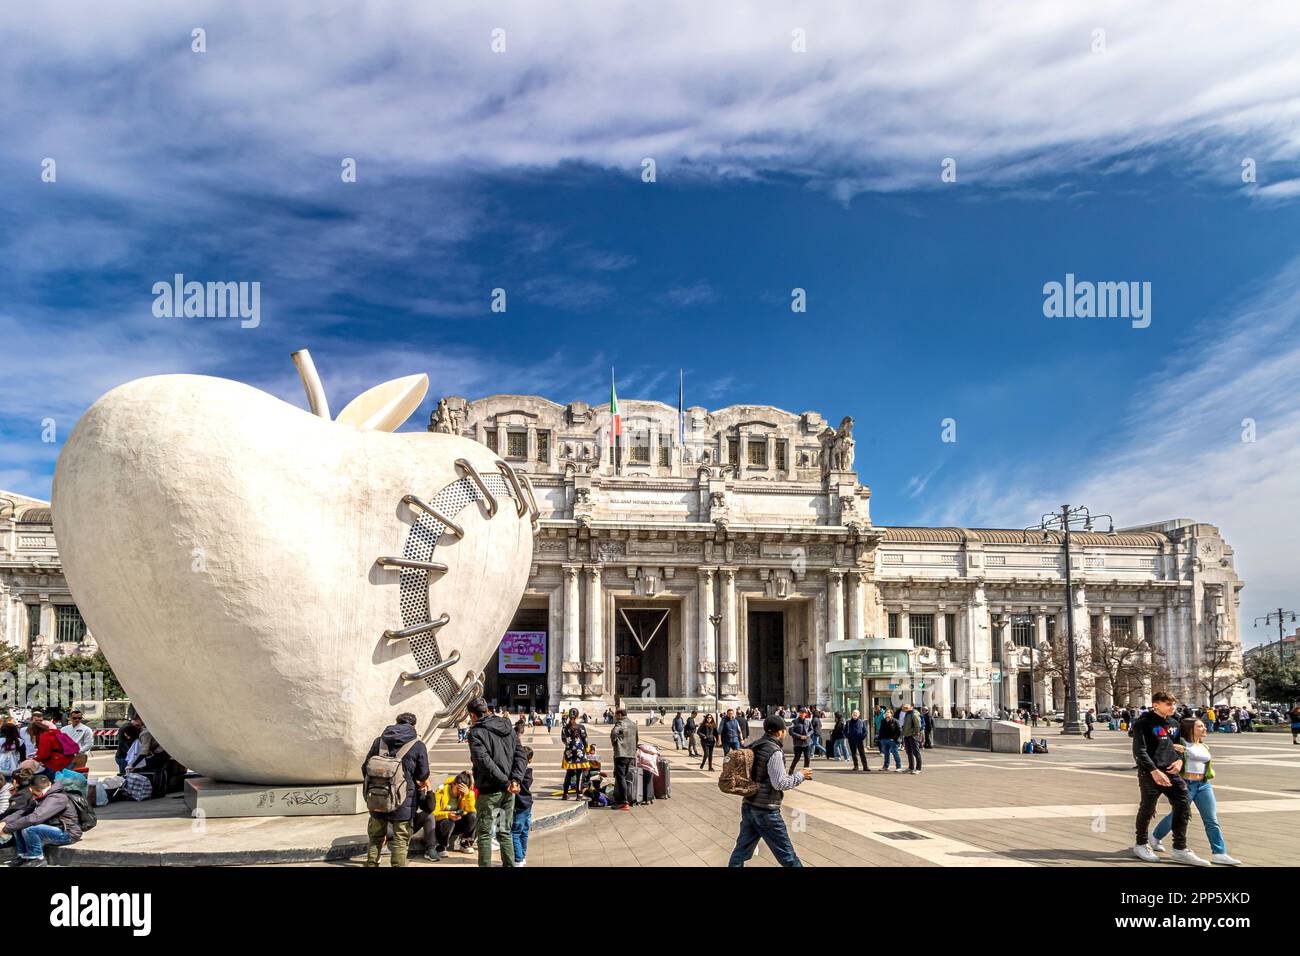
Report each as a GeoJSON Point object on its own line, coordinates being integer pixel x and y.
{"type": "Point", "coordinates": [1145, 853]}
{"type": "Point", "coordinates": [1224, 859]}
{"type": "Point", "coordinates": [1156, 845]}
{"type": "Point", "coordinates": [521, 862]}
{"type": "Point", "coordinates": [898, 770]}
{"type": "Point", "coordinates": [1187, 857]}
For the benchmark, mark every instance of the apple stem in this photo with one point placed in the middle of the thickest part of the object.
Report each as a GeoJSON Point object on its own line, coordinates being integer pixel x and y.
{"type": "Point", "coordinates": [311, 382]}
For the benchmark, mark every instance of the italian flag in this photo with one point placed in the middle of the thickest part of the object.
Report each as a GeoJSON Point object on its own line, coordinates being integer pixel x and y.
{"type": "Point", "coordinates": [616, 429]}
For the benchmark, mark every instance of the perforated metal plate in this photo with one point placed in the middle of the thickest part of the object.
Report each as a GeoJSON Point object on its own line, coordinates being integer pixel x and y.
{"type": "Point", "coordinates": [421, 541]}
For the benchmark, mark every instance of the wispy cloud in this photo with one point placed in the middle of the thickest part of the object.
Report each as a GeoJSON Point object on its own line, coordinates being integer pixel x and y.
{"type": "Point", "coordinates": [1182, 452]}
{"type": "Point", "coordinates": [696, 293]}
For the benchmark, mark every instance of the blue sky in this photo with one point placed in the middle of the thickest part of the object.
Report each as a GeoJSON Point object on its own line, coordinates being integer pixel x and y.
{"type": "Point", "coordinates": [776, 169]}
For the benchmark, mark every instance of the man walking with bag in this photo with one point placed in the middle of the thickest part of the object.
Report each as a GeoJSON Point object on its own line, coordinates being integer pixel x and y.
{"type": "Point", "coordinates": [499, 762]}
{"type": "Point", "coordinates": [760, 812]}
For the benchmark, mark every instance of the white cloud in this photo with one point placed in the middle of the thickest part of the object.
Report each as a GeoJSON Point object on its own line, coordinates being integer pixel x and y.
{"type": "Point", "coordinates": [885, 91]}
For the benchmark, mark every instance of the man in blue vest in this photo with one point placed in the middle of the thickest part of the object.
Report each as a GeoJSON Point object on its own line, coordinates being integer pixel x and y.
{"type": "Point", "coordinates": [760, 812]}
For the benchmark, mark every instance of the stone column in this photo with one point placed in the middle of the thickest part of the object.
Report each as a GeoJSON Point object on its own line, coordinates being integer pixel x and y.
{"type": "Point", "coordinates": [594, 665]}
{"type": "Point", "coordinates": [857, 615]}
{"type": "Point", "coordinates": [530, 444]}
{"type": "Point", "coordinates": [835, 604]}
{"type": "Point", "coordinates": [1103, 625]}
{"type": "Point", "coordinates": [708, 659]}
{"type": "Point", "coordinates": [572, 667]}
{"type": "Point", "coordinates": [730, 664]}
{"type": "Point", "coordinates": [771, 455]}
{"type": "Point", "coordinates": [1078, 608]}
{"type": "Point", "coordinates": [1043, 688]}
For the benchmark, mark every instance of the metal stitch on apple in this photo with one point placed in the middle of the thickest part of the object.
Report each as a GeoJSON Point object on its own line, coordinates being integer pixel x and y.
{"type": "Point", "coordinates": [511, 477]}
{"type": "Point", "coordinates": [415, 629]}
{"type": "Point", "coordinates": [472, 474]}
{"type": "Point", "coordinates": [396, 564]}
{"type": "Point", "coordinates": [429, 671]}
{"type": "Point", "coordinates": [422, 539]}
{"type": "Point", "coordinates": [450, 525]}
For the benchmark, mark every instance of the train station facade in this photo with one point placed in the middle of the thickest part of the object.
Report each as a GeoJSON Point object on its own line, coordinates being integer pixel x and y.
{"type": "Point", "coordinates": [736, 555]}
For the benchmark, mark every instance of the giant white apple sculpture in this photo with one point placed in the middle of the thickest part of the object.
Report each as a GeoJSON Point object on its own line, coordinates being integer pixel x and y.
{"type": "Point", "coordinates": [273, 587]}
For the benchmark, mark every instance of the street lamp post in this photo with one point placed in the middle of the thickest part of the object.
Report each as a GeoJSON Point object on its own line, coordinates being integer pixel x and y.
{"type": "Point", "coordinates": [716, 621]}
{"type": "Point", "coordinates": [1063, 522]}
{"type": "Point", "coordinates": [1268, 619]}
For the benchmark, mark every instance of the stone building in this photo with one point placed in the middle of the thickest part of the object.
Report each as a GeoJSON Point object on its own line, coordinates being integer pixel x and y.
{"type": "Point", "coordinates": [736, 554]}
{"type": "Point", "coordinates": [37, 613]}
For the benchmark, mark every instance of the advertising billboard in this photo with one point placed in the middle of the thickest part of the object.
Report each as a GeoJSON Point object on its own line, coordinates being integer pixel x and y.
{"type": "Point", "coordinates": [522, 652]}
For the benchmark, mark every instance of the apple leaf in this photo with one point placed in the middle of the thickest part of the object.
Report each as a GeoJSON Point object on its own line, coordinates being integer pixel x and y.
{"type": "Point", "coordinates": [385, 407]}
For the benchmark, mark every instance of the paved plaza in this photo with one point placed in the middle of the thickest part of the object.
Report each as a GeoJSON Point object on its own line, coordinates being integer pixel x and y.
{"type": "Point", "coordinates": [1073, 806]}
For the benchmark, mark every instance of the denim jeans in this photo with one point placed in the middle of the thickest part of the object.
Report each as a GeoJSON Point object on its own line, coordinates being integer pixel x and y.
{"type": "Point", "coordinates": [841, 749]}
{"type": "Point", "coordinates": [817, 746]}
{"type": "Point", "coordinates": [760, 823]}
{"type": "Point", "coordinates": [1201, 793]}
{"type": "Point", "coordinates": [30, 840]}
{"type": "Point", "coordinates": [519, 833]}
{"type": "Point", "coordinates": [890, 748]}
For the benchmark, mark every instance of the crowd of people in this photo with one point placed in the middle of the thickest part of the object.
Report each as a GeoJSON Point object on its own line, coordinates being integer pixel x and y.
{"type": "Point", "coordinates": [49, 795]}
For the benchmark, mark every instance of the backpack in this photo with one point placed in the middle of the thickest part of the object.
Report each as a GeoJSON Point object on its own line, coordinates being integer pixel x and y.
{"type": "Point", "coordinates": [69, 746]}
{"type": "Point", "coordinates": [737, 777]}
{"type": "Point", "coordinates": [1039, 746]}
{"type": "Point", "coordinates": [385, 786]}
{"type": "Point", "coordinates": [85, 812]}
{"type": "Point", "coordinates": [1028, 748]}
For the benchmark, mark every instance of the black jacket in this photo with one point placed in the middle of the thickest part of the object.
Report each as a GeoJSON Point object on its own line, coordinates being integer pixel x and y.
{"type": "Point", "coordinates": [496, 755]}
{"type": "Point", "coordinates": [1153, 742]}
{"type": "Point", "coordinates": [708, 734]}
{"type": "Point", "coordinates": [890, 729]}
{"type": "Point", "coordinates": [415, 765]}
{"type": "Point", "coordinates": [800, 731]}
{"type": "Point", "coordinates": [524, 798]}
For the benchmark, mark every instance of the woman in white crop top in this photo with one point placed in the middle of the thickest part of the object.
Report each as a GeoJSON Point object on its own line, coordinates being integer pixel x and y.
{"type": "Point", "coordinates": [1198, 771]}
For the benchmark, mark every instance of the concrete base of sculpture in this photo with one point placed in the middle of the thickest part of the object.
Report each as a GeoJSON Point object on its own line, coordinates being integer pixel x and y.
{"type": "Point", "coordinates": [214, 798]}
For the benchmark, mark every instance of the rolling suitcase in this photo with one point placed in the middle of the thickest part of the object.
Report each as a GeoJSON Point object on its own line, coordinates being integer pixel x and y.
{"type": "Point", "coordinates": [638, 787]}
{"type": "Point", "coordinates": [663, 785]}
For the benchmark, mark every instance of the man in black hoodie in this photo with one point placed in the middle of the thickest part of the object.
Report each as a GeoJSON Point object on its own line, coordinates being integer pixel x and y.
{"type": "Point", "coordinates": [415, 765]}
{"type": "Point", "coordinates": [1154, 735]}
{"type": "Point", "coordinates": [499, 762]}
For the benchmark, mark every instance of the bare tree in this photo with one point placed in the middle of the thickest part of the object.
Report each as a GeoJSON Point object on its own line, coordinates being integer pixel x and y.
{"type": "Point", "coordinates": [1219, 672]}
{"type": "Point", "coordinates": [1126, 663]}
{"type": "Point", "coordinates": [1054, 661]}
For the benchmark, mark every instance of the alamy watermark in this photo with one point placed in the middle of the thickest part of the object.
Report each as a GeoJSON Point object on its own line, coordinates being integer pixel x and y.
{"type": "Point", "coordinates": [1102, 300]}
{"type": "Point", "coordinates": [62, 689]}
{"type": "Point", "coordinates": [209, 300]}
